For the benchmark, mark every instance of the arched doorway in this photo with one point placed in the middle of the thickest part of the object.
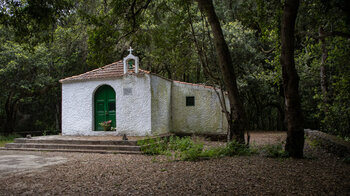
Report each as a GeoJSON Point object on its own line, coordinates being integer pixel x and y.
{"type": "Point", "coordinates": [104, 102]}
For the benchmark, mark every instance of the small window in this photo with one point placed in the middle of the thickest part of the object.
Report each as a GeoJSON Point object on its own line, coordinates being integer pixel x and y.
{"type": "Point", "coordinates": [190, 101]}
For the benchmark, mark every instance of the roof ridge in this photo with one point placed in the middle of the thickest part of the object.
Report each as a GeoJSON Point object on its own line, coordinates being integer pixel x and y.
{"type": "Point", "coordinates": [91, 72]}
{"type": "Point", "coordinates": [115, 70]}
{"type": "Point", "coordinates": [194, 84]}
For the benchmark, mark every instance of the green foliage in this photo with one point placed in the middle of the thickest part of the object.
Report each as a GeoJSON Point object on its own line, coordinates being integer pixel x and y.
{"type": "Point", "coordinates": [234, 148]}
{"type": "Point", "coordinates": [214, 152]}
{"type": "Point", "coordinates": [314, 143]}
{"type": "Point", "coordinates": [188, 150]}
{"type": "Point", "coordinates": [7, 139]}
{"type": "Point", "coordinates": [193, 153]}
{"type": "Point", "coordinates": [180, 143]}
{"type": "Point", "coordinates": [274, 151]}
{"type": "Point", "coordinates": [153, 146]}
{"type": "Point", "coordinates": [32, 21]}
{"type": "Point", "coordinates": [29, 77]}
{"type": "Point", "coordinates": [44, 41]}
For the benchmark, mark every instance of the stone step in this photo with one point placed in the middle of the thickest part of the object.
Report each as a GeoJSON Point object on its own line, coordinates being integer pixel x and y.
{"type": "Point", "coordinates": [77, 142]}
{"type": "Point", "coordinates": [74, 150]}
{"type": "Point", "coordinates": [46, 146]}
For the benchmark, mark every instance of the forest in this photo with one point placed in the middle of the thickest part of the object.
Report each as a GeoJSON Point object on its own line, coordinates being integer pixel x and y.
{"type": "Point", "coordinates": [45, 41]}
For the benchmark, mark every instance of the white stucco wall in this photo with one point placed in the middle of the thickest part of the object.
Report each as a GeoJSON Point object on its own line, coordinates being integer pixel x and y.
{"type": "Point", "coordinates": [133, 112]}
{"type": "Point", "coordinates": [161, 105]}
{"type": "Point", "coordinates": [205, 117]}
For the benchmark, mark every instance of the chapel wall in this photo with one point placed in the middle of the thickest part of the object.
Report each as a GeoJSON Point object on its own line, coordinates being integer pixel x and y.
{"type": "Point", "coordinates": [161, 105]}
{"type": "Point", "coordinates": [205, 117]}
{"type": "Point", "coordinates": [133, 109]}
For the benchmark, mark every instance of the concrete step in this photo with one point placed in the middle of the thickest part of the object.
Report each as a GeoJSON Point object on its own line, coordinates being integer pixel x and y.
{"type": "Point", "coordinates": [72, 146]}
{"type": "Point", "coordinates": [74, 150]}
{"type": "Point", "coordinates": [77, 142]}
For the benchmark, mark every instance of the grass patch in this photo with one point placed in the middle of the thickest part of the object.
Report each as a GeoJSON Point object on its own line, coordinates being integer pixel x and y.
{"type": "Point", "coordinates": [274, 151]}
{"type": "Point", "coordinates": [186, 149]}
{"type": "Point", "coordinates": [7, 139]}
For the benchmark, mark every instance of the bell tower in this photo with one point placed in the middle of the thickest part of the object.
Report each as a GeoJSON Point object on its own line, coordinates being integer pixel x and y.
{"type": "Point", "coordinates": [128, 59]}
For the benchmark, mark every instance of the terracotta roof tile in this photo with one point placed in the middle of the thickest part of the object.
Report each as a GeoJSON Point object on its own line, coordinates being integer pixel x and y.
{"type": "Point", "coordinates": [115, 70]}
{"type": "Point", "coordinates": [193, 84]}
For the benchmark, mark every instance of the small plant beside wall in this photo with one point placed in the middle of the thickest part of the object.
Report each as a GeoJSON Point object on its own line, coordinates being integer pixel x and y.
{"type": "Point", "coordinates": [106, 125]}
{"type": "Point", "coordinates": [7, 139]}
{"type": "Point", "coordinates": [187, 149]}
{"type": "Point", "coordinates": [274, 151]}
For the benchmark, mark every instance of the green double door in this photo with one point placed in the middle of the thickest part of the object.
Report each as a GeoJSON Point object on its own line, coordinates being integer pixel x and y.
{"type": "Point", "coordinates": [104, 101]}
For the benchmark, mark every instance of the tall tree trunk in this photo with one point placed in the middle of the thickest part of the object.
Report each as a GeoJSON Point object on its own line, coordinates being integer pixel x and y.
{"type": "Point", "coordinates": [229, 78]}
{"type": "Point", "coordinates": [10, 111]}
{"type": "Point", "coordinates": [295, 134]}
{"type": "Point", "coordinates": [323, 70]}
{"type": "Point", "coordinates": [57, 117]}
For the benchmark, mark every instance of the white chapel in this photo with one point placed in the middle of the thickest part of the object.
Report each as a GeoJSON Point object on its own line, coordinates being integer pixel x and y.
{"type": "Point", "coordinates": [137, 103]}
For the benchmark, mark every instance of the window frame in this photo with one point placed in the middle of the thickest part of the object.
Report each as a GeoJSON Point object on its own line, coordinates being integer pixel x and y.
{"type": "Point", "coordinates": [190, 101]}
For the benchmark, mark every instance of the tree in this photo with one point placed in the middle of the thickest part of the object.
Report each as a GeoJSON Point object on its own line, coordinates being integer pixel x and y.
{"type": "Point", "coordinates": [295, 134]}
{"type": "Point", "coordinates": [236, 118]}
{"type": "Point", "coordinates": [33, 21]}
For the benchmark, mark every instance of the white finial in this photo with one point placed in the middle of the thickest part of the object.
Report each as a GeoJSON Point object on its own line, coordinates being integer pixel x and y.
{"type": "Point", "coordinates": [130, 50]}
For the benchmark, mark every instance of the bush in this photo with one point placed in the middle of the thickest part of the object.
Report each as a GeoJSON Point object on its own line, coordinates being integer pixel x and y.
{"type": "Point", "coordinates": [180, 144]}
{"type": "Point", "coordinates": [153, 146]}
{"type": "Point", "coordinates": [193, 153]}
{"type": "Point", "coordinates": [7, 139]}
{"type": "Point", "coordinates": [275, 151]}
{"type": "Point", "coordinates": [187, 150]}
{"type": "Point", "coordinates": [214, 152]}
{"type": "Point", "coordinates": [234, 148]}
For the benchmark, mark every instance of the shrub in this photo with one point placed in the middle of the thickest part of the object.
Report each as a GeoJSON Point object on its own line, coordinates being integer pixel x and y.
{"type": "Point", "coordinates": [234, 148]}
{"type": "Point", "coordinates": [180, 144]}
{"type": "Point", "coordinates": [187, 150]}
{"type": "Point", "coordinates": [193, 153]}
{"type": "Point", "coordinates": [7, 139]}
{"type": "Point", "coordinates": [153, 146]}
{"type": "Point", "coordinates": [275, 151]}
{"type": "Point", "coordinates": [214, 152]}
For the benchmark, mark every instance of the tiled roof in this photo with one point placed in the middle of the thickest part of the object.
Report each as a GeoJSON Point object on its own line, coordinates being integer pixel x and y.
{"type": "Point", "coordinates": [193, 84]}
{"type": "Point", "coordinates": [114, 70]}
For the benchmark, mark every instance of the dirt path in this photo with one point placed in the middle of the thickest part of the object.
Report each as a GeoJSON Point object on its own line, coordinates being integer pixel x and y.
{"type": "Point", "coordinates": [98, 174]}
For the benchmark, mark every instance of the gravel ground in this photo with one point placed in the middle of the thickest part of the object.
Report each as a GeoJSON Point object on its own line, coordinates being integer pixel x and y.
{"type": "Point", "coordinates": [99, 174]}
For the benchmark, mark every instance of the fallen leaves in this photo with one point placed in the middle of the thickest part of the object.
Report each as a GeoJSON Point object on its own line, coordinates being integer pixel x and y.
{"type": "Point", "coordinates": [100, 174]}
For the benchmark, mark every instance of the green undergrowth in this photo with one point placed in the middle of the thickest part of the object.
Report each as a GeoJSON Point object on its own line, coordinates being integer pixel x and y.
{"type": "Point", "coordinates": [274, 151]}
{"type": "Point", "coordinates": [7, 139]}
{"type": "Point", "coordinates": [187, 149]}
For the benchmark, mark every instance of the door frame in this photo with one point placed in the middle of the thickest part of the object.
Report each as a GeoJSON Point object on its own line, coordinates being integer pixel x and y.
{"type": "Point", "coordinates": [93, 106]}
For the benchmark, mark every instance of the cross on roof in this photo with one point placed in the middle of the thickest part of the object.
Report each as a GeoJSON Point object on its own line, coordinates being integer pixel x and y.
{"type": "Point", "coordinates": [130, 50]}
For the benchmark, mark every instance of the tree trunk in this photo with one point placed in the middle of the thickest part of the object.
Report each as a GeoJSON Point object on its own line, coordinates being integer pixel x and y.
{"type": "Point", "coordinates": [10, 111]}
{"type": "Point", "coordinates": [295, 134]}
{"type": "Point", "coordinates": [57, 117]}
{"type": "Point", "coordinates": [227, 69]}
{"type": "Point", "coordinates": [323, 71]}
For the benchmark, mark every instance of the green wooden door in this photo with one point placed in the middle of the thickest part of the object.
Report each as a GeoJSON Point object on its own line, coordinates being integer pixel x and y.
{"type": "Point", "coordinates": [104, 101]}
